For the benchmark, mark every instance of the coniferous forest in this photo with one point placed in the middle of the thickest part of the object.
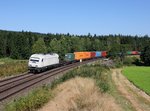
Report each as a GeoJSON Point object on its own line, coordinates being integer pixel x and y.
{"type": "Point", "coordinates": [20, 45]}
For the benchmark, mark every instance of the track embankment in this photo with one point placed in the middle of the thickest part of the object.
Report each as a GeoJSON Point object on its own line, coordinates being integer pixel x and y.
{"type": "Point", "coordinates": [139, 100]}
{"type": "Point", "coordinates": [76, 95]}
{"type": "Point", "coordinates": [14, 86]}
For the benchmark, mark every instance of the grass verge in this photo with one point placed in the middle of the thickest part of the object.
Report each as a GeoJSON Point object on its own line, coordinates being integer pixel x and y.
{"type": "Point", "coordinates": [32, 101]}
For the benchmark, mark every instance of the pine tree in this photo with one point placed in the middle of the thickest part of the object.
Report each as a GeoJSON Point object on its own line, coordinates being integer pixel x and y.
{"type": "Point", "coordinates": [145, 55]}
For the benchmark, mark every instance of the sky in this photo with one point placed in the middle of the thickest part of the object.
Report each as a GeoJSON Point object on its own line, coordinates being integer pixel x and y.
{"type": "Point", "coordinates": [79, 17]}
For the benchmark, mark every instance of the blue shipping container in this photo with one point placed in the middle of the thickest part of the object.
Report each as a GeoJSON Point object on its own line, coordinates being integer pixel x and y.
{"type": "Point", "coordinates": [98, 54]}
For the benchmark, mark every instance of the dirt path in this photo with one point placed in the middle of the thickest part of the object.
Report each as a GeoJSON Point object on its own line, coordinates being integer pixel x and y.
{"type": "Point", "coordinates": [139, 100]}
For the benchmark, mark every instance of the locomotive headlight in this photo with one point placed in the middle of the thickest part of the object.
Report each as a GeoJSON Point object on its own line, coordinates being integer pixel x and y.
{"type": "Point", "coordinates": [30, 65]}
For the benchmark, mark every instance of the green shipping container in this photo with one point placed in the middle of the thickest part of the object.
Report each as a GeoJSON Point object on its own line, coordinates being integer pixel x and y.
{"type": "Point", "coordinates": [129, 52]}
{"type": "Point", "coordinates": [69, 57]}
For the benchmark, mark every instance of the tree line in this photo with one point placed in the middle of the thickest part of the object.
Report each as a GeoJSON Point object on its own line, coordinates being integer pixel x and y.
{"type": "Point", "coordinates": [20, 45]}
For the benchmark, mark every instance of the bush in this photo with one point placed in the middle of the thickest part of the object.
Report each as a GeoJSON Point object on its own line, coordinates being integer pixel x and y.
{"type": "Point", "coordinates": [118, 63]}
{"type": "Point", "coordinates": [96, 72]}
{"type": "Point", "coordinates": [129, 61]}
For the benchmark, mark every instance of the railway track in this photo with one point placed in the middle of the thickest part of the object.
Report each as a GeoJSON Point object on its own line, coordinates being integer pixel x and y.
{"type": "Point", "coordinates": [16, 84]}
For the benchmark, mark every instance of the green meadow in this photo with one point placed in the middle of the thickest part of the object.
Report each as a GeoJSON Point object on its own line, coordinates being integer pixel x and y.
{"type": "Point", "coordinates": [140, 76]}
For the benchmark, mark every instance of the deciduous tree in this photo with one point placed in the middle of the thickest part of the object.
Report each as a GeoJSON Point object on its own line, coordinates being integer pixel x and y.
{"type": "Point", "coordinates": [39, 46]}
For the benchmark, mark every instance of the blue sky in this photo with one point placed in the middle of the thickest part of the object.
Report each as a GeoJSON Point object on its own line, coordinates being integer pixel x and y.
{"type": "Point", "coordinates": [101, 17]}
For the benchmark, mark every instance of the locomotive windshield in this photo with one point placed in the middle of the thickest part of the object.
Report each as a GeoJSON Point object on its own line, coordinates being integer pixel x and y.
{"type": "Point", "coordinates": [34, 59]}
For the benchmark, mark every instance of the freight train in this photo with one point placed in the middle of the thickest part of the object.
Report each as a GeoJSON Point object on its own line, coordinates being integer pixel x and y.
{"type": "Point", "coordinates": [127, 53]}
{"type": "Point", "coordinates": [79, 56]}
{"type": "Point", "coordinates": [42, 62]}
{"type": "Point", "coordinates": [133, 53]}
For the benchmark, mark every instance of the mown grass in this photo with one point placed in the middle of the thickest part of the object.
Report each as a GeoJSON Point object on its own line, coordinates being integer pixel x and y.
{"type": "Point", "coordinates": [10, 67]}
{"type": "Point", "coordinates": [140, 76]}
{"type": "Point", "coordinates": [38, 97]}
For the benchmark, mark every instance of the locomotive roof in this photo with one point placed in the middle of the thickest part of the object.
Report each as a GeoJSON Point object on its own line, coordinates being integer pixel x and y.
{"type": "Point", "coordinates": [44, 55]}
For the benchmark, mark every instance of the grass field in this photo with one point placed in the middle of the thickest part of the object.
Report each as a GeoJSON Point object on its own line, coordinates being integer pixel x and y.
{"type": "Point", "coordinates": [140, 76]}
{"type": "Point", "coordinates": [10, 67]}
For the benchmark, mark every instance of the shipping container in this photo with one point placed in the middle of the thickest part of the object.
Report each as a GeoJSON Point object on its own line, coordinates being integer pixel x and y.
{"type": "Point", "coordinates": [134, 52]}
{"type": "Point", "coordinates": [92, 54]}
{"type": "Point", "coordinates": [104, 53]}
{"type": "Point", "coordinates": [69, 57]}
{"type": "Point", "coordinates": [129, 52]}
{"type": "Point", "coordinates": [82, 55]}
{"type": "Point", "coordinates": [98, 54]}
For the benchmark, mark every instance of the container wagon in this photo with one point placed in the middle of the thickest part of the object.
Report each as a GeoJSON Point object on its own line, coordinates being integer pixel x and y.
{"type": "Point", "coordinates": [133, 53]}
{"type": "Point", "coordinates": [93, 54]}
{"type": "Point", "coordinates": [69, 57]}
{"type": "Point", "coordinates": [82, 55]}
{"type": "Point", "coordinates": [98, 54]}
{"type": "Point", "coordinates": [104, 53]}
{"type": "Point", "coordinates": [129, 52]}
